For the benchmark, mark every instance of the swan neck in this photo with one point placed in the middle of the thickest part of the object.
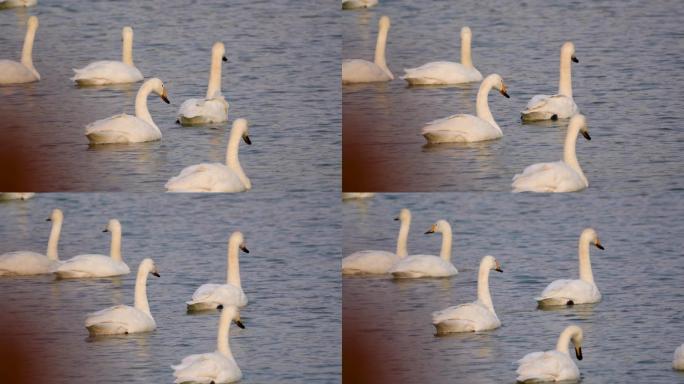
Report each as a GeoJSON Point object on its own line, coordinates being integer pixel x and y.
{"type": "Point", "coordinates": [141, 291]}
{"type": "Point", "coordinates": [222, 344]}
{"type": "Point", "coordinates": [569, 150]}
{"type": "Point", "coordinates": [483, 287]}
{"type": "Point", "coordinates": [482, 106]}
{"type": "Point", "coordinates": [214, 88]}
{"type": "Point", "coordinates": [27, 50]}
{"type": "Point", "coordinates": [53, 241]}
{"type": "Point", "coordinates": [232, 160]}
{"type": "Point", "coordinates": [127, 50]}
{"type": "Point", "coordinates": [141, 110]}
{"type": "Point", "coordinates": [585, 260]}
{"type": "Point", "coordinates": [564, 340]}
{"type": "Point", "coordinates": [445, 253]}
{"type": "Point", "coordinates": [115, 250]}
{"type": "Point", "coordinates": [402, 240]}
{"type": "Point", "coordinates": [466, 58]}
{"type": "Point", "coordinates": [380, 49]}
{"type": "Point", "coordinates": [233, 273]}
{"type": "Point", "coordinates": [565, 82]}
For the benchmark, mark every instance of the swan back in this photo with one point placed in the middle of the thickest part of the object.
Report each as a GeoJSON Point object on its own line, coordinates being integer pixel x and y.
{"type": "Point", "coordinates": [127, 45]}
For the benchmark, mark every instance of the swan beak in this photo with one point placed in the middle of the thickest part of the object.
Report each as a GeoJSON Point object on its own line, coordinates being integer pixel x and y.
{"type": "Point", "coordinates": [225, 58]}
{"type": "Point", "coordinates": [431, 230]}
{"type": "Point", "coordinates": [239, 324]}
{"type": "Point", "coordinates": [498, 269]}
{"type": "Point", "coordinates": [247, 140]}
{"type": "Point", "coordinates": [105, 230]}
{"type": "Point", "coordinates": [574, 59]}
{"type": "Point", "coordinates": [503, 92]}
{"type": "Point", "coordinates": [578, 353]}
{"type": "Point", "coordinates": [156, 274]}
{"type": "Point", "coordinates": [48, 219]}
{"type": "Point", "coordinates": [586, 135]}
{"type": "Point", "coordinates": [396, 219]}
{"type": "Point", "coordinates": [599, 246]}
{"type": "Point", "coordinates": [244, 249]}
{"type": "Point", "coordinates": [165, 98]}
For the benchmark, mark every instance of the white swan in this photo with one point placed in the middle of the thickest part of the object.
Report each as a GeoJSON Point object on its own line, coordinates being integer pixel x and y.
{"type": "Point", "coordinates": [446, 72]}
{"type": "Point", "coordinates": [357, 195]}
{"type": "Point", "coordinates": [560, 176]}
{"type": "Point", "coordinates": [463, 128]}
{"type": "Point", "coordinates": [415, 266]}
{"type": "Point", "coordinates": [12, 72]}
{"type": "Point", "coordinates": [581, 291]}
{"type": "Point", "coordinates": [111, 71]}
{"type": "Point", "coordinates": [16, 195]}
{"type": "Point", "coordinates": [216, 177]}
{"type": "Point", "coordinates": [363, 71]}
{"type": "Point", "coordinates": [213, 108]}
{"type": "Point", "coordinates": [5, 4]}
{"type": "Point", "coordinates": [125, 128]}
{"type": "Point", "coordinates": [471, 317]}
{"type": "Point", "coordinates": [379, 262]}
{"type": "Point", "coordinates": [560, 106]}
{"type": "Point", "coordinates": [678, 359]}
{"type": "Point", "coordinates": [124, 319]}
{"type": "Point", "coordinates": [97, 265]}
{"type": "Point", "coordinates": [555, 365]}
{"type": "Point", "coordinates": [216, 367]}
{"type": "Point", "coordinates": [211, 296]}
{"type": "Point", "coordinates": [357, 4]}
{"type": "Point", "coordinates": [33, 263]}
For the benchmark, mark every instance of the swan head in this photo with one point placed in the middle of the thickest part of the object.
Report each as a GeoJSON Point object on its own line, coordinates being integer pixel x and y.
{"type": "Point", "coordinates": [441, 226]}
{"type": "Point", "coordinates": [384, 22]}
{"type": "Point", "coordinates": [32, 22]}
{"type": "Point", "coordinates": [491, 263]}
{"type": "Point", "coordinates": [219, 50]}
{"type": "Point", "coordinates": [577, 338]}
{"type": "Point", "coordinates": [158, 87]}
{"type": "Point", "coordinates": [568, 50]}
{"type": "Point", "coordinates": [592, 237]}
{"type": "Point", "coordinates": [233, 314]}
{"type": "Point", "coordinates": [238, 238]}
{"type": "Point", "coordinates": [404, 215]}
{"type": "Point", "coordinates": [240, 127]}
{"type": "Point", "coordinates": [112, 226]}
{"type": "Point", "coordinates": [149, 266]}
{"type": "Point", "coordinates": [497, 83]}
{"type": "Point", "coordinates": [56, 216]}
{"type": "Point", "coordinates": [579, 122]}
{"type": "Point", "coordinates": [127, 33]}
{"type": "Point", "coordinates": [466, 33]}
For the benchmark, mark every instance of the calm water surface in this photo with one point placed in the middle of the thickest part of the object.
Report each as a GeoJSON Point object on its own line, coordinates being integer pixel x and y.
{"type": "Point", "coordinates": [628, 83]}
{"type": "Point", "coordinates": [279, 76]}
{"type": "Point", "coordinates": [629, 337]}
{"type": "Point", "coordinates": [290, 277]}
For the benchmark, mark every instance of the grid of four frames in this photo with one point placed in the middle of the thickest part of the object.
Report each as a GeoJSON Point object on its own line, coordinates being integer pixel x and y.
{"type": "Point", "coordinates": [447, 259]}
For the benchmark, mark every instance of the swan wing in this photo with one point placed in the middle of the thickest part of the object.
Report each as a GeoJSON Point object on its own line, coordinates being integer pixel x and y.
{"type": "Point", "coordinates": [206, 177]}
{"type": "Point", "coordinates": [91, 265]}
{"type": "Point", "coordinates": [546, 366]}
{"type": "Point", "coordinates": [362, 71]}
{"type": "Point", "coordinates": [213, 110]}
{"type": "Point", "coordinates": [467, 317]}
{"type": "Point", "coordinates": [121, 128]}
{"type": "Point", "coordinates": [119, 319]}
{"type": "Point", "coordinates": [543, 107]}
{"type": "Point", "coordinates": [14, 72]}
{"type": "Point", "coordinates": [441, 72]}
{"type": "Point", "coordinates": [24, 263]}
{"type": "Point", "coordinates": [579, 291]}
{"type": "Point", "coordinates": [423, 266]}
{"type": "Point", "coordinates": [107, 72]}
{"type": "Point", "coordinates": [460, 128]}
{"type": "Point", "coordinates": [370, 262]}
{"type": "Point", "coordinates": [678, 359]}
{"type": "Point", "coordinates": [548, 177]}
{"type": "Point", "coordinates": [225, 294]}
{"type": "Point", "coordinates": [206, 368]}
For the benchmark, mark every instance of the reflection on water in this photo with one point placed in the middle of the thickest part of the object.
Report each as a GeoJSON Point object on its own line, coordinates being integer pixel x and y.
{"type": "Point", "coordinates": [640, 275]}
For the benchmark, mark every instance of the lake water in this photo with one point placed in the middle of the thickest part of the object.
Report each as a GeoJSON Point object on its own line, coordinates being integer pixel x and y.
{"type": "Point", "coordinates": [290, 276]}
{"type": "Point", "coordinates": [629, 337]}
{"type": "Point", "coordinates": [282, 76]}
{"type": "Point", "coordinates": [628, 83]}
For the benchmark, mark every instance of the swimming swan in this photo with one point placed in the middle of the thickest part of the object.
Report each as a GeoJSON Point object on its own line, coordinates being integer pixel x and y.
{"type": "Point", "coordinates": [111, 71]}
{"type": "Point", "coordinates": [678, 359]}
{"type": "Point", "coordinates": [97, 265]}
{"type": "Point", "coordinates": [379, 262]}
{"type": "Point", "coordinates": [555, 365]}
{"type": "Point", "coordinates": [582, 291]}
{"type": "Point", "coordinates": [560, 106]}
{"type": "Point", "coordinates": [363, 71]}
{"type": "Point", "coordinates": [16, 195]}
{"type": "Point", "coordinates": [216, 177]}
{"type": "Point", "coordinates": [415, 266]}
{"type": "Point", "coordinates": [471, 317]}
{"type": "Point", "coordinates": [211, 296]}
{"type": "Point", "coordinates": [560, 176]}
{"type": "Point", "coordinates": [446, 72]}
{"type": "Point", "coordinates": [468, 128]}
{"type": "Point", "coordinates": [357, 4]}
{"type": "Point", "coordinates": [12, 72]}
{"type": "Point", "coordinates": [124, 319]}
{"type": "Point", "coordinates": [125, 128]}
{"type": "Point", "coordinates": [216, 367]}
{"type": "Point", "coordinates": [5, 4]}
{"type": "Point", "coordinates": [33, 263]}
{"type": "Point", "coordinates": [213, 108]}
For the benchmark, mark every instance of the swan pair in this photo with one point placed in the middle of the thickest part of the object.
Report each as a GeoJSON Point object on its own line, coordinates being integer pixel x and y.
{"type": "Point", "coordinates": [217, 177]}
{"type": "Point", "coordinates": [27, 263]}
{"type": "Point", "coordinates": [416, 266]}
{"type": "Point", "coordinates": [13, 72]}
{"type": "Point", "coordinates": [110, 71]}
{"type": "Point", "coordinates": [554, 365]}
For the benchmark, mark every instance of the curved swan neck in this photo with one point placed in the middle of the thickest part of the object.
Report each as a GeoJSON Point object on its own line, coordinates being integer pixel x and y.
{"type": "Point", "coordinates": [233, 273]}
{"type": "Point", "coordinates": [569, 150]}
{"type": "Point", "coordinates": [483, 294]}
{"type": "Point", "coordinates": [115, 249]}
{"type": "Point", "coordinates": [214, 88]}
{"type": "Point", "coordinates": [232, 160]}
{"type": "Point", "coordinates": [127, 48]}
{"type": "Point", "coordinates": [141, 290]}
{"type": "Point", "coordinates": [380, 48]}
{"type": "Point", "coordinates": [565, 337]}
{"type": "Point", "coordinates": [27, 50]}
{"type": "Point", "coordinates": [445, 253]}
{"type": "Point", "coordinates": [466, 58]}
{"type": "Point", "coordinates": [53, 241]}
{"type": "Point", "coordinates": [141, 110]}
{"type": "Point", "coordinates": [565, 81]}
{"type": "Point", "coordinates": [222, 344]}
{"type": "Point", "coordinates": [402, 240]}
{"type": "Point", "coordinates": [584, 260]}
{"type": "Point", "coordinates": [482, 106]}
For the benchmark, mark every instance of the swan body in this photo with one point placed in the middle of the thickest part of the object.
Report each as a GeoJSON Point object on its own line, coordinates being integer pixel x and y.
{"type": "Point", "coordinates": [213, 108]}
{"type": "Point", "coordinates": [678, 359]}
{"type": "Point", "coordinates": [554, 365]}
{"type": "Point", "coordinates": [211, 296]}
{"type": "Point", "coordinates": [379, 262]}
{"type": "Point", "coordinates": [363, 71]}
{"type": "Point", "coordinates": [215, 177]}
{"type": "Point", "coordinates": [5, 4]}
{"type": "Point", "coordinates": [446, 72]}
{"type": "Point", "coordinates": [471, 317]}
{"type": "Point", "coordinates": [468, 128]}
{"type": "Point", "coordinates": [581, 291]}
{"type": "Point", "coordinates": [26, 263]}
{"type": "Point", "coordinates": [215, 367]}
{"type": "Point", "coordinates": [125, 128]}
{"type": "Point", "coordinates": [13, 72]}
{"type": "Point", "coordinates": [16, 195]}
{"type": "Point", "coordinates": [111, 71]}
{"type": "Point", "coordinates": [560, 176]}
{"type": "Point", "coordinates": [97, 265]}
{"type": "Point", "coordinates": [357, 195]}
{"type": "Point", "coordinates": [357, 4]}
{"type": "Point", "coordinates": [416, 266]}
{"type": "Point", "coordinates": [124, 319]}
{"type": "Point", "coordinates": [561, 105]}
